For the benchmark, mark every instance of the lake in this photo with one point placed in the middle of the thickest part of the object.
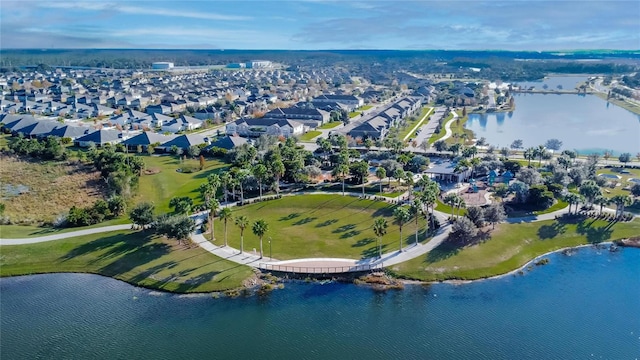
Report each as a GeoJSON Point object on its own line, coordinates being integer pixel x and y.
{"type": "Point", "coordinates": [553, 83]}
{"type": "Point", "coordinates": [584, 123]}
{"type": "Point", "coordinates": [577, 307]}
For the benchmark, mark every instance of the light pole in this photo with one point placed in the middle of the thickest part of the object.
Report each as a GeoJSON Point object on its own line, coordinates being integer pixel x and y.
{"type": "Point", "coordinates": [269, 238]}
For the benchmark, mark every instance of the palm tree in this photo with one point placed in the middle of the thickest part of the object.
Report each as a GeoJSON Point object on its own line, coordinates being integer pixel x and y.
{"type": "Point", "coordinates": [214, 180]}
{"type": "Point", "coordinates": [460, 203]}
{"type": "Point", "coordinates": [408, 178]}
{"type": "Point", "coordinates": [260, 173]}
{"type": "Point", "coordinates": [429, 198]}
{"type": "Point", "coordinates": [380, 229]}
{"type": "Point", "coordinates": [415, 209]}
{"type": "Point", "coordinates": [213, 210]}
{"type": "Point", "coordinates": [401, 215]}
{"type": "Point", "coordinates": [540, 151]}
{"type": "Point", "coordinates": [602, 201]}
{"type": "Point", "coordinates": [621, 202]}
{"type": "Point", "coordinates": [259, 228]}
{"type": "Point", "coordinates": [341, 171]}
{"type": "Point", "coordinates": [242, 222]}
{"type": "Point", "coordinates": [241, 176]}
{"type": "Point", "coordinates": [225, 215]}
{"type": "Point", "coordinates": [451, 200]}
{"type": "Point", "coordinates": [530, 154]}
{"type": "Point", "coordinates": [225, 182]}
{"type": "Point", "coordinates": [572, 198]}
{"type": "Point", "coordinates": [381, 173]}
{"type": "Point", "coordinates": [278, 169]}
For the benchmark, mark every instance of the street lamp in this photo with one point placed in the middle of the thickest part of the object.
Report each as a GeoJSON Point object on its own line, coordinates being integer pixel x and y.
{"type": "Point", "coordinates": [269, 238]}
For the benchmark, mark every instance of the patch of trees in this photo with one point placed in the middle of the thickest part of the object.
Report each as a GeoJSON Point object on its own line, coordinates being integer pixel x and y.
{"type": "Point", "coordinates": [176, 226]}
{"type": "Point", "coordinates": [120, 171]}
{"type": "Point", "coordinates": [100, 211]}
{"type": "Point", "coordinates": [49, 148]}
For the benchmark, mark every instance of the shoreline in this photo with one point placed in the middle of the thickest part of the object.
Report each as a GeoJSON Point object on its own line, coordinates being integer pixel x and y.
{"type": "Point", "coordinates": [521, 268]}
{"type": "Point", "coordinates": [256, 286]}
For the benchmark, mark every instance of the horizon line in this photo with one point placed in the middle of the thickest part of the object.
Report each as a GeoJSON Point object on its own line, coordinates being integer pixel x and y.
{"type": "Point", "coordinates": [328, 49]}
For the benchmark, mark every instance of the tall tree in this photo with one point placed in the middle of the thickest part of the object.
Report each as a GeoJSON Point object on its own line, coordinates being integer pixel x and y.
{"type": "Point", "coordinates": [401, 216]}
{"type": "Point", "coordinates": [242, 222]}
{"type": "Point", "coordinates": [341, 172]}
{"type": "Point", "coordinates": [225, 215]}
{"type": "Point", "coordinates": [621, 201]}
{"type": "Point", "coordinates": [494, 214]}
{"type": "Point", "coordinates": [408, 178]}
{"type": "Point", "coordinates": [380, 229]}
{"type": "Point", "coordinates": [415, 210]}
{"type": "Point", "coordinates": [381, 173]}
{"type": "Point", "coordinates": [529, 155]}
{"type": "Point", "coordinates": [260, 173]}
{"type": "Point", "coordinates": [259, 228]}
{"type": "Point", "coordinates": [451, 200]}
{"type": "Point", "coordinates": [214, 205]}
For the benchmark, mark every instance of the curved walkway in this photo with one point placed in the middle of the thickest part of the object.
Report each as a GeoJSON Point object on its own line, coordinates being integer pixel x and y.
{"type": "Point", "coordinates": [316, 264]}
{"type": "Point", "coordinates": [447, 126]}
{"type": "Point", "coordinates": [64, 235]}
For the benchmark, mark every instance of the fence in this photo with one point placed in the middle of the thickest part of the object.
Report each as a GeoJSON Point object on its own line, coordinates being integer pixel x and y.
{"type": "Point", "coordinates": [319, 269]}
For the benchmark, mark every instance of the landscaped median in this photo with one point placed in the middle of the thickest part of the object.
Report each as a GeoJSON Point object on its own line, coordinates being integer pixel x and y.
{"type": "Point", "coordinates": [139, 258]}
{"type": "Point", "coordinates": [510, 247]}
{"type": "Point", "coordinates": [309, 136]}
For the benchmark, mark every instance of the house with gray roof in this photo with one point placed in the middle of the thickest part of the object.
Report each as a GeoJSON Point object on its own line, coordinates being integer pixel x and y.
{"type": "Point", "coordinates": [99, 138]}
{"type": "Point", "coordinates": [145, 139]}
{"type": "Point", "coordinates": [228, 142]}
{"type": "Point", "coordinates": [251, 127]}
{"type": "Point", "coordinates": [184, 142]}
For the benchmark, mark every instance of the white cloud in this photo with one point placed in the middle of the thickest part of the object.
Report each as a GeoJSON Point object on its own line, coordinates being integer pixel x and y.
{"type": "Point", "coordinates": [127, 9]}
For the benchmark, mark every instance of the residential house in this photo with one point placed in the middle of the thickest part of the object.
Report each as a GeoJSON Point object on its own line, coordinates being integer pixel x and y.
{"type": "Point", "coordinates": [250, 127]}
{"type": "Point", "coordinates": [99, 138]}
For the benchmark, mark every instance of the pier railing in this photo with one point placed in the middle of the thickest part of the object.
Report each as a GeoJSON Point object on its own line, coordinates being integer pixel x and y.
{"type": "Point", "coordinates": [319, 269]}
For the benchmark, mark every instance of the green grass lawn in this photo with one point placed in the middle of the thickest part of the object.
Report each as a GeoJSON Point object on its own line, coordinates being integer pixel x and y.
{"type": "Point", "coordinates": [370, 189]}
{"type": "Point", "coordinates": [329, 125]}
{"type": "Point", "coordinates": [409, 127]}
{"type": "Point", "coordinates": [510, 247]}
{"type": "Point", "coordinates": [522, 210]}
{"type": "Point", "coordinates": [159, 188]}
{"type": "Point", "coordinates": [623, 181]}
{"type": "Point", "coordinates": [442, 207]}
{"type": "Point", "coordinates": [135, 257]}
{"type": "Point", "coordinates": [354, 114]}
{"type": "Point", "coordinates": [318, 226]}
{"type": "Point", "coordinates": [310, 135]}
{"type": "Point", "coordinates": [458, 128]}
{"type": "Point", "coordinates": [365, 107]}
{"type": "Point", "coordinates": [437, 136]}
{"type": "Point", "coordinates": [27, 231]}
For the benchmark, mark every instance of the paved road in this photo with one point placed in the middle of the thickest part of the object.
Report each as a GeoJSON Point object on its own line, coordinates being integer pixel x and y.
{"type": "Point", "coordinates": [426, 130]}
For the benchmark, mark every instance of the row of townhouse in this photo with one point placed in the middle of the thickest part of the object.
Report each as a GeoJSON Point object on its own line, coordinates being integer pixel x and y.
{"type": "Point", "coordinates": [377, 125]}
{"type": "Point", "coordinates": [84, 135]}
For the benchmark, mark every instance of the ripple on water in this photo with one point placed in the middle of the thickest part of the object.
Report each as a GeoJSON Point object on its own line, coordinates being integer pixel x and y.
{"type": "Point", "coordinates": [576, 306]}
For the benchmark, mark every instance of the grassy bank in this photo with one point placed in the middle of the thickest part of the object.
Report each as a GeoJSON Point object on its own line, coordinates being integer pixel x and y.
{"type": "Point", "coordinates": [510, 247]}
{"type": "Point", "coordinates": [634, 108]}
{"type": "Point", "coordinates": [457, 129]}
{"type": "Point", "coordinates": [138, 258]}
{"type": "Point", "coordinates": [318, 226]}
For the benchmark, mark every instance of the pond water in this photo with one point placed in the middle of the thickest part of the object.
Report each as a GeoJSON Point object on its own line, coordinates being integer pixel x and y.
{"type": "Point", "coordinates": [552, 83]}
{"type": "Point", "coordinates": [583, 306]}
{"type": "Point", "coordinates": [584, 123]}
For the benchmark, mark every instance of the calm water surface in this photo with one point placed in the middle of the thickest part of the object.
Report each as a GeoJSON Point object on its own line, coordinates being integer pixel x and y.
{"type": "Point", "coordinates": [584, 306]}
{"type": "Point", "coordinates": [584, 123]}
{"type": "Point", "coordinates": [554, 82]}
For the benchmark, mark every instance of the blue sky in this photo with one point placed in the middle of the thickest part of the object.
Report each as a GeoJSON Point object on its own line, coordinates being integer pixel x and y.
{"type": "Point", "coordinates": [321, 24]}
